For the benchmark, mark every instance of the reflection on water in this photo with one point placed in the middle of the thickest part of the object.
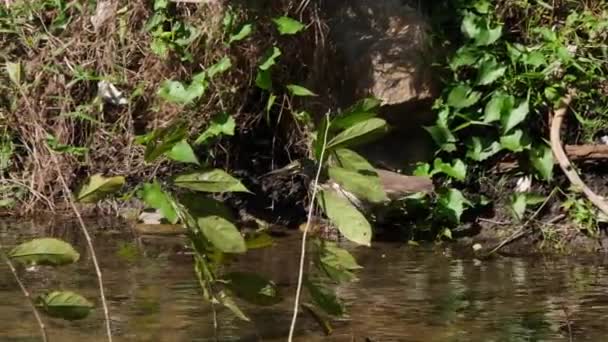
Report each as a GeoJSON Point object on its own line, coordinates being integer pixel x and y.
{"type": "Point", "coordinates": [403, 294]}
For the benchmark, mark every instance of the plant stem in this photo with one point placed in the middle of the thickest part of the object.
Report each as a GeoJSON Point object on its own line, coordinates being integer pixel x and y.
{"type": "Point", "coordinates": [308, 221]}
{"type": "Point", "coordinates": [85, 232]}
{"type": "Point", "coordinates": [27, 295]}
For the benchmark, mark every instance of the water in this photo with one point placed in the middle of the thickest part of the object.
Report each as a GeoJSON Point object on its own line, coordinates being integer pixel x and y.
{"type": "Point", "coordinates": [404, 294]}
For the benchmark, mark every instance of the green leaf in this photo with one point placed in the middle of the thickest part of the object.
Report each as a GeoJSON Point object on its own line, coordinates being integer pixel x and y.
{"type": "Point", "coordinates": [351, 160]}
{"type": "Point", "coordinates": [457, 170]}
{"type": "Point", "coordinates": [541, 158]}
{"type": "Point", "coordinates": [243, 33]}
{"type": "Point", "coordinates": [182, 152]}
{"type": "Point", "coordinates": [270, 58]}
{"type": "Point", "coordinates": [210, 181]}
{"type": "Point", "coordinates": [514, 117]}
{"type": "Point", "coordinates": [451, 204]}
{"type": "Point", "coordinates": [98, 187]}
{"type": "Point", "coordinates": [358, 133]}
{"type": "Point", "coordinates": [480, 150]}
{"type": "Point", "coordinates": [518, 205]}
{"type": "Point", "coordinates": [422, 170]}
{"type": "Point", "coordinates": [44, 251]}
{"type": "Point", "coordinates": [362, 110]}
{"type": "Point", "coordinates": [323, 322]}
{"type": "Point", "coordinates": [220, 67]}
{"type": "Point", "coordinates": [465, 56]}
{"type": "Point", "coordinates": [178, 92]}
{"type": "Point", "coordinates": [350, 222]}
{"type": "Point", "coordinates": [515, 142]}
{"type": "Point", "coordinates": [287, 25]}
{"type": "Point", "coordinates": [222, 234]}
{"type": "Point", "coordinates": [155, 197]}
{"type": "Point", "coordinates": [65, 305]}
{"type": "Point", "coordinates": [297, 90]}
{"type": "Point", "coordinates": [253, 288]}
{"type": "Point", "coordinates": [490, 71]}
{"type": "Point", "coordinates": [258, 241]}
{"type": "Point", "coordinates": [325, 298]}
{"type": "Point", "coordinates": [338, 258]}
{"type": "Point", "coordinates": [463, 96]}
{"type": "Point", "coordinates": [364, 185]}
{"type": "Point", "coordinates": [229, 303]}
{"type": "Point", "coordinates": [499, 105]}
{"type": "Point", "coordinates": [199, 205]}
{"type": "Point", "coordinates": [221, 124]}
{"type": "Point", "coordinates": [263, 80]}
{"type": "Point", "coordinates": [163, 140]}
{"type": "Point", "coordinates": [15, 72]}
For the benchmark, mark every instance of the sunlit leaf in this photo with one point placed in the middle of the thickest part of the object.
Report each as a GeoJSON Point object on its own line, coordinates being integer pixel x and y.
{"type": "Point", "coordinates": [253, 288]}
{"type": "Point", "coordinates": [499, 105]}
{"type": "Point", "coordinates": [44, 251]}
{"type": "Point", "coordinates": [350, 222]}
{"type": "Point", "coordinates": [15, 72]}
{"type": "Point", "coordinates": [325, 298]}
{"type": "Point", "coordinates": [65, 305]}
{"type": "Point", "coordinates": [351, 160]}
{"type": "Point", "coordinates": [297, 90]}
{"type": "Point", "coordinates": [358, 133]}
{"type": "Point", "coordinates": [518, 205]}
{"type": "Point", "coordinates": [222, 233]}
{"type": "Point", "coordinates": [162, 140]}
{"type": "Point", "coordinates": [243, 33]}
{"type": "Point", "coordinates": [258, 241]}
{"type": "Point", "coordinates": [364, 185]}
{"type": "Point", "coordinates": [338, 257]}
{"type": "Point", "coordinates": [490, 71]}
{"type": "Point", "coordinates": [514, 117]}
{"type": "Point", "coordinates": [451, 204]}
{"type": "Point", "coordinates": [270, 58]}
{"type": "Point", "coordinates": [98, 186]}
{"type": "Point", "coordinates": [480, 149]}
{"type": "Point", "coordinates": [210, 181]}
{"type": "Point", "coordinates": [221, 124]}
{"type": "Point", "coordinates": [287, 25]}
{"type": "Point", "coordinates": [178, 92]}
{"type": "Point", "coordinates": [463, 96]}
{"type": "Point", "coordinates": [465, 56]}
{"type": "Point", "coordinates": [182, 152]}
{"type": "Point", "coordinates": [541, 158]}
{"type": "Point", "coordinates": [155, 197]}
{"type": "Point", "coordinates": [222, 66]}
{"type": "Point", "coordinates": [514, 142]}
{"type": "Point", "coordinates": [457, 169]}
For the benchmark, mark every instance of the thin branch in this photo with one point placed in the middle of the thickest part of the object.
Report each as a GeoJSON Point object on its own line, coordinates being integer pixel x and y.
{"type": "Point", "coordinates": [315, 185]}
{"type": "Point", "coordinates": [85, 232]}
{"type": "Point", "coordinates": [27, 295]}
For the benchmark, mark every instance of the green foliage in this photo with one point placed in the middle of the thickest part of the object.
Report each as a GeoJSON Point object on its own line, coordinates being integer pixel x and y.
{"type": "Point", "coordinates": [45, 251]}
{"type": "Point", "coordinates": [156, 198]}
{"type": "Point", "coordinates": [221, 124]}
{"type": "Point", "coordinates": [222, 234]}
{"type": "Point", "coordinates": [210, 181]}
{"type": "Point", "coordinates": [98, 187]}
{"type": "Point", "coordinates": [66, 305]}
{"type": "Point", "coordinates": [288, 26]}
{"type": "Point", "coordinates": [253, 288]}
{"type": "Point", "coordinates": [349, 221]}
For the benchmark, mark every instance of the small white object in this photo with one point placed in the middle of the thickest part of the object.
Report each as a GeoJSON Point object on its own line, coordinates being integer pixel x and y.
{"type": "Point", "coordinates": [572, 48]}
{"type": "Point", "coordinates": [32, 268]}
{"type": "Point", "coordinates": [151, 217]}
{"type": "Point", "coordinates": [604, 139]}
{"type": "Point", "coordinates": [477, 247]}
{"type": "Point", "coordinates": [476, 262]}
{"type": "Point", "coordinates": [523, 184]}
{"type": "Point", "coordinates": [110, 94]}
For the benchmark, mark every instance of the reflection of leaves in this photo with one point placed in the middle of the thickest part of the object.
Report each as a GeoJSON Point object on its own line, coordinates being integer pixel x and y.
{"type": "Point", "coordinates": [44, 251]}
{"type": "Point", "coordinates": [325, 298]}
{"type": "Point", "coordinates": [253, 288]}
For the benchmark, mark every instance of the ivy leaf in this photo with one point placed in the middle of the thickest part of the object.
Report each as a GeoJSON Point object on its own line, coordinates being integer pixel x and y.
{"type": "Point", "coordinates": [287, 25]}
{"type": "Point", "coordinates": [66, 305]}
{"type": "Point", "coordinates": [243, 33]}
{"type": "Point", "coordinates": [253, 288]}
{"type": "Point", "coordinates": [514, 117]}
{"type": "Point", "coordinates": [514, 142]}
{"type": "Point", "coordinates": [44, 251]}
{"type": "Point", "coordinates": [263, 80]}
{"type": "Point", "coordinates": [222, 234]}
{"type": "Point", "coordinates": [451, 204]}
{"type": "Point", "coordinates": [499, 105]}
{"type": "Point", "coordinates": [182, 152]}
{"type": "Point", "coordinates": [465, 56]}
{"type": "Point", "coordinates": [541, 159]}
{"type": "Point", "coordinates": [422, 170]}
{"type": "Point", "coordinates": [463, 96]}
{"type": "Point", "coordinates": [480, 150]}
{"type": "Point", "coordinates": [221, 124]}
{"type": "Point", "coordinates": [490, 71]}
{"type": "Point", "coordinates": [155, 197]}
{"type": "Point", "coordinates": [457, 170]}
{"type": "Point", "coordinates": [325, 298]}
{"type": "Point", "coordinates": [363, 185]}
{"type": "Point", "coordinates": [98, 186]}
{"type": "Point", "coordinates": [297, 90]}
{"type": "Point", "coordinates": [270, 58]}
{"type": "Point", "coordinates": [220, 67]}
{"type": "Point", "coordinates": [350, 222]}
{"type": "Point", "coordinates": [210, 181]}
{"type": "Point", "coordinates": [359, 133]}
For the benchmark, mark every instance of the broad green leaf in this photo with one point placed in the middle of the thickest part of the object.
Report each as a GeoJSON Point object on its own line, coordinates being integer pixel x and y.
{"type": "Point", "coordinates": [297, 90]}
{"type": "Point", "coordinates": [351, 160]}
{"type": "Point", "coordinates": [182, 152]}
{"type": "Point", "coordinates": [443, 137]}
{"type": "Point", "coordinates": [325, 298]}
{"type": "Point", "coordinates": [350, 222]}
{"type": "Point", "coordinates": [65, 305]}
{"type": "Point", "coordinates": [514, 142]}
{"type": "Point", "coordinates": [258, 241]}
{"type": "Point", "coordinates": [155, 197]}
{"type": "Point", "coordinates": [270, 58]}
{"type": "Point", "coordinates": [163, 140]}
{"type": "Point", "coordinates": [478, 29]}
{"type": "Point", "coordinates": [514, 117]}
{"type": "Point", "coordinates": [518, 205]}
{"type": "Point", "coordinates": [362, 110]}
{"type": "Point", "coordinates": [364, 185]}
{"type": "Point", "coordinates": [489, 36]}
{"type": "Point", "coordinates": [222, 234]}
{"type": "Point", "coordinates": [463, 96]}
{"type": "Point", "coordinates": [200, 205]}
{"type": "Point", "coordinates": [490, 71]}
{"type": "Point", "coordinates": [479, 149]}
{"type": "Point", "coordinates": [367, 104]}
{"type": "Point", "coordinates": [451, 204]}
{"type": "Point", "coordinates": [253, 288]}
{"type": "Point", "coordinates": [221, 124]}
{"type": "Point", "coordinates": [499, 105]}
{"type": "Point", "coordinates": [465, 56]}
{"type": "Point", "coordinates": [422, 170]}
{"type": "Point", "coordinates": [222, 66]}
{"type": "Point", "coordinates": [243, 33]}
{"type": "Point", "coordinates": [358, 133]}
{"type": "Point", "coordinates": [263, 80]}
{"type": "Point", "coordinates": [15, 72]}
{"type": "Point", "coordinates": [287, 25]}
{"type": "Point", "coordinates": [178, 92]}
{"type": "Point", "coordinates": [337, 257]}
{"type": "Point", "coordinates": [541, 158]}
{"type": "Point", "coordinates": [44, 251]}
{"type": "Point", "coordinates": [229, 303]}
{"type": "Point", "coordinates": [210, 181]}
{"type": "Point", "coordinates": [457, 170]}
{"type": "Point", "coordinates": [98, 186]}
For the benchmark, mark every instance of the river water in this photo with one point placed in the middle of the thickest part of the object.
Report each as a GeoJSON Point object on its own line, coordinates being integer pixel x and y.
{"type": "Point", "coordinates": [404, 293]}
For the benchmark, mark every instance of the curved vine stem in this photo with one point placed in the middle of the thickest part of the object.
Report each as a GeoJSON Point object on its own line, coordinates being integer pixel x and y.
{"type": "Point", "coordinates": [27, 295]}
{"type": "Point", "coordinates": [315, 185]}
{"type": "Point", "coordinates": [562, 158]}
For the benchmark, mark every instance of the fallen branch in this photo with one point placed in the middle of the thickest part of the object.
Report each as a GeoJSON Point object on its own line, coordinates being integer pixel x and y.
{"type": "Point", "coordinates": [564, 162]}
